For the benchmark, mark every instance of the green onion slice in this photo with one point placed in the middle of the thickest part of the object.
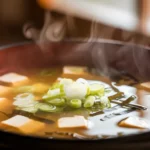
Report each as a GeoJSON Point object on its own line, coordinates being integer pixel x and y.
{"type": "Point", "coordinates": [75, 103]}
{"type": "Point", "coordinates": [89, 102]}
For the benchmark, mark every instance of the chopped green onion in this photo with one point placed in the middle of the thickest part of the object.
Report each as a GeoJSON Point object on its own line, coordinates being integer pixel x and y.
{"type": "Point", "coordinates": [47, 107]}
{"type": "Point", "coordinates": [55, 93]}
{"type": "Point", "coordinates": [76, 91]}
{"type": "Point", "coordinates": [66, 81]}
{"type": "Point", "coordinates": [75, 103]}
{"type": "Point", "coordinates": [89, 102]}
{"type": "Point", "coordinates": [62, 82]}
{"type": "Point", "coordinates": [24, 96]}
{"type": "Point", "coordinates": [105, 103]}
{"type": "Point", "coordinates": [46, 97]}
{"type": "Point", "coordinates": [25, 102]}
{"type": "Point", "coordinates": [97, 89]}
{"type": "Point", "coordinates": [55, 86]}
{"type": "Point", "coordinates": [108, 90]}
{"type": "Point", "coordinates": [30, 109]}
{"type": "Point", "coordinates": [57, 102]}
{"type": "Point", "coordinates": [83, 81]}
{"type": "Point", "coordinates": [64, 94]}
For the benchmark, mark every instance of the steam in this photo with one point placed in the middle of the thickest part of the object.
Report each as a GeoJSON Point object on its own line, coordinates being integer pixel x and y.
{"type": "Point", "coordinates": [111, 59]}
{"type": "Point", "coordinates": [54, 29]}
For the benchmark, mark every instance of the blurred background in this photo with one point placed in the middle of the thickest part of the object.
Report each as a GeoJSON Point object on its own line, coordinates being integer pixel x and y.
{"type": "Point", "coordinates": [23, 20]}
{"type": "Point", "coordinates": [13, 15]}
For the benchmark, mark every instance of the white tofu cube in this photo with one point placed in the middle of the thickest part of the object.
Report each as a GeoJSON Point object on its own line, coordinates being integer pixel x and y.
{"type": "Point", "coordinates": [146, 85]}
{"type": "Point", "coordinates": [134, 122]}
{"type": "Point", "coordinates": [4, 90]}
{"type": "Point", "coordinates": [22, 124]}
{"type": "Point", "coordinates": [6, 105]}
{"type": "Point", "coordinates": [74, 70]}
{"type": "Point", "coordinates": [72, 122]}
{"type": "Point", "coordinates": [14, 79]}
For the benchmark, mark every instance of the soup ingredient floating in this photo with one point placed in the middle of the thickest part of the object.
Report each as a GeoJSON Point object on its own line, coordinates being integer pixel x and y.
{"type": "Point", "coordinates": [74, 70]}
{"type": "Point", "coordinates": [13, 79]}
{"type": "Point", "coordinates": [134, 122]}
{"type": "Point", "coordinates": [22, 124]}
{"type": "Point", "coordinates": [65, 94]}
{"type": "Point", "coordinates": [73, 122]}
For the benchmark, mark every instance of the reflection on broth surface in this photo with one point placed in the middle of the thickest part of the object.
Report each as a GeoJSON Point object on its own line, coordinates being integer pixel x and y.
{"type": "Point", "coordinates": [82, 118]}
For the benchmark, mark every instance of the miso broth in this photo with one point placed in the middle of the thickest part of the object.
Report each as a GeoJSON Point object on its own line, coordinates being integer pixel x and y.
{"type": "Point", "coordinates": [101, 125]}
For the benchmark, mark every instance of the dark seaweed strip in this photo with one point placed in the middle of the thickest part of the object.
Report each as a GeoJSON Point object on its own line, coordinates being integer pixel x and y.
{"type": "Point", "coordinates": [128, 100]}
{"type": "Point", "coordinates": [104, 111]}
{"type": "Point", "coordinates": [116, 96]}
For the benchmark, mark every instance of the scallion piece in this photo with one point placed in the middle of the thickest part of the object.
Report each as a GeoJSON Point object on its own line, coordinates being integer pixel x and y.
{"type": "Point", "coordinates": [76, 91]}
{"type": "Point", "coordinates": [24, 100]}
{"type": "Point", "coordinates": [83, 81]}
{"type": "Point", "coordinates": [46, 107]}
{"type": "Point", "coordinates": [57, 102]}
{"type": "Point", "coordinates": [30, 109]}
{"type": "Point", "coordinates": [105, 103]}
{"type": "Point", "coordinates": [75, 103]}
{"type": "Point", "coordinates": [55, 86]}
{"type": "Point", "coordinates": [66, 81]}
{"type": "Point", "coordinates": [96, 89]}
{"type": "Point", "coordinates": [55, 93]}
{"type": "Point", "coordinates": [89, 102]}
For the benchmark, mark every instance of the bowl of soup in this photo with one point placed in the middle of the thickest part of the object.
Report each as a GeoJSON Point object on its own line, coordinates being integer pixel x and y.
{"type": "Point", "coordinates": [61, 94]}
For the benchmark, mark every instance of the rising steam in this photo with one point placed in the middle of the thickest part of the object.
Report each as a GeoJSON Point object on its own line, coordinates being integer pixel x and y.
{"type": "Point", "coordinates": [110, 58]}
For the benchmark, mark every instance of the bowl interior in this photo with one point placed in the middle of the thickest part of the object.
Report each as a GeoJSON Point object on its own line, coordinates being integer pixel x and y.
{"type": "Point", "coordinates": [112, 60]}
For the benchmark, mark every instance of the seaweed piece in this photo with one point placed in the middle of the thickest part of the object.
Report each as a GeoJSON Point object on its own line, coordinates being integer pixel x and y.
{"type": "Point", "coordinates": [116, 96]}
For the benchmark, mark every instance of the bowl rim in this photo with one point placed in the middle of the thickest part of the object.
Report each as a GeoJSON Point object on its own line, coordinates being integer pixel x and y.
{"type": "Point", "coordinates": [79, 40]}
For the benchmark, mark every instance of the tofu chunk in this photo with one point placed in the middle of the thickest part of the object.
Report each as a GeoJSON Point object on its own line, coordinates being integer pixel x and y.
{"type": "Point", "coordinates": [14, 79]}
{"type": "Point", "coordinates": [134, 122]}
{"type": "Point", "coordinates": [6, 105]}
{"type": "Point", "coordinates": [74, 70]}
{"type": "Point", "coordinates": [146, 85]}
{"type": "Point", "coordinates": [72, 122]}
{"type": "Point", "coordinates": [4, 90]}
{"type": "Point", "coordinates": [22, 124]}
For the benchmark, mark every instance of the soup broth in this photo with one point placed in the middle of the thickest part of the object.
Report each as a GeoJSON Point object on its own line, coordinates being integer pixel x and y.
{"type": "Point", "coordinates": [101, 124]}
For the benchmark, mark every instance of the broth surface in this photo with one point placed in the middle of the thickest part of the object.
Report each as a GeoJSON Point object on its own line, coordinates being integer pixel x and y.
{"type": "Point", "coordinates": [103, 125]}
